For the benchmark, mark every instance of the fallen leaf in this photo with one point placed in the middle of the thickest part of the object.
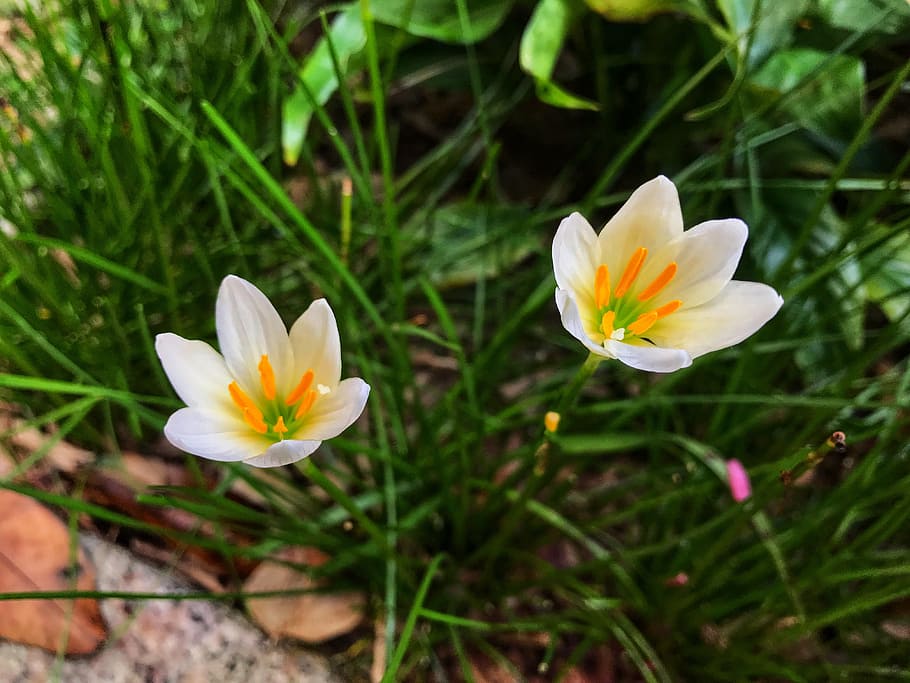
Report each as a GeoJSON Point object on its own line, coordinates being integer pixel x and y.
{"type": "Point", "coordinates": [274, 480]}
{"type": "Point", "coordinates": [145, 471]}
{"type": "Point", "coordinates": [7, 464]}
{"type": "Point", "coordinates": [310, 617]}
{"type": "Point", "coordinates": [485, 670]}
{"type": "Point", "coordinates": [62, 456]}
{"type": "Point", "coordinates": [378, 666]}
{"type": "Point", "coordinates": [190, 567]}
{"type": "Point", "coordinates": [899, 630]}
{"type": "Point", "coordinates": [35, 556]}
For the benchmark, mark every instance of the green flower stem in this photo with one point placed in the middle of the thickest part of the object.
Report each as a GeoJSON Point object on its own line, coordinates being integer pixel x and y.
{"type": "Point", "coordinates": [571, 393]}
{"type": "Point", "coordinates": [542, 470]}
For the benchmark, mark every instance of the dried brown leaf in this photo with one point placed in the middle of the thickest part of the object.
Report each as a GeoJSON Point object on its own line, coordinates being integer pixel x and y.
{"type": "Point", "coordinates": [378, 666]}
{"type": "Point", "coordinates": [899, 630]}
{"type": "Point", "coordinates": [310, 617]}
{"type": "Point", "coordinates": [62, 456]}
{"type": "Point", "coordinates": [35, 556]}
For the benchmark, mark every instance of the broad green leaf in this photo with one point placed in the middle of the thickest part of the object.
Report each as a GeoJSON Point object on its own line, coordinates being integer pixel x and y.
{"type": "Point", "coordinates": [551, 93]}
{"type": "Point", "coordinates": [630, 10]}
{"type": "Point", "coordinates": [541, 44]}
{"type": "Point", "coordinates": [861, 15]}
{"type": "Point", "coordinates": [438, 19]}
{"type": "Point", "coordinates": [473, 241]}
{"type": "Point", "coordinates": [844, 296]}
{"type": "Point", "coordinates": [888, 283]}
{"type": "Point", "coordinates": [773, 27]}
{"type": "Point", "coordinates": [318, 76]}
{"type": "Point", "coordinates": [832, 103]}
{"type": "Point", "coordinates": [847, 286]}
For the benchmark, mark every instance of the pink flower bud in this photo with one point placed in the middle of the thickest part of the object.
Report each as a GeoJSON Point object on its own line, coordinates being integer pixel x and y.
{"type": "Point", "coordinates": [738, 478]}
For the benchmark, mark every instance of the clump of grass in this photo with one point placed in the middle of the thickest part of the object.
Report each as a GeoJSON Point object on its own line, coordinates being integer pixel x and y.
{"type": "Point", "coordinates": [142, 162]}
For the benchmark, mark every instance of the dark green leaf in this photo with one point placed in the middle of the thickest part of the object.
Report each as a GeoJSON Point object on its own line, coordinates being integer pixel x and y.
{"type": "Point", "coordinates": [860, 15]}
{"type": "Point", "coordinates": [832, 103]}
{"type": "Point", "coordinates": [889, 278]}
{"type": "Point", "coordinates": [472, 241]}
{"type": "Point", "coordinates": [772, 30]}
{"type": "Point", "coordinates": [438, 19]}
{"type": "Point", "coordinates": [319, 78]}
{"type": "Point", "coordinates": [541, 44]}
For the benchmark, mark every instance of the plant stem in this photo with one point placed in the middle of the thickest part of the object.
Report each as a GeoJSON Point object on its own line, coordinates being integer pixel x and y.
{"type": "Point", "coordinates": [543, 472]}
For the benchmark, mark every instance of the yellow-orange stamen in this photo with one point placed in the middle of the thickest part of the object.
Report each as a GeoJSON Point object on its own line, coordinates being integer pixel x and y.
{"type": "Point", "coordinates": [631, 272]}
{"type": "Point", "coordinates": [606, 322]}
{"type": "Point", "coordinates": [667, 309]}
{"type": "Point", "coordinates": [300, 389]}
{"type": "Point", "coordinates": [280, 427]}
{"type": "Point", "coordinates": [267, 377]}
{"type": "Point", "coordinates": [659, 282]}
{"type": "Point", "coordinates": [305, 404]}
{"type": "Point", "coordinates": [602, 287]}
{"type": "Point", "coordinates": [239, 397]}
{"type": "Point", "coordinates": [643, 324]}
{"type": "Point", "coordinates": [251, 414]}
{"type": "Point", "coordinates": [254, 419]}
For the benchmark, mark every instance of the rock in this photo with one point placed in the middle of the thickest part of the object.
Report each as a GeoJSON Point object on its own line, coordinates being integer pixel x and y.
{"type": "Point", "coordinates": [164, 641]}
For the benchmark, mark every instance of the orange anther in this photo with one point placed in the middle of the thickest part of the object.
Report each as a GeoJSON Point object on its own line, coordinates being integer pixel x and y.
{"type": "Point", "coordinates": [267, 377]}
{"type": "Point", "coordinates": [606, 322]}
{"type": "Point", "coordinates": [300, 389]}
{"type": "Point", "coordinates": [253, 417]}
{"type": "Point", "coordinates": [659, 282]}
{"type": "Point", "coordinates": [305, 404]}
{"type": "Point", "coordinates": [667, 309]}
{"type": "Point", "coordinates": [602, 287]}
{"type": "Point", "coordinates": [643, 324]}
{"type": "Point", "coordinates": [633, 267]}
{"type": "Point", "coordinates": [239, 397]}
{"type": "Point", "coordinates": [251, 414]}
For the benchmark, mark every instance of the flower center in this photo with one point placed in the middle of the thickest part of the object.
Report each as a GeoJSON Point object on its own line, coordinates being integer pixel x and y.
{"type": "Point", "coordinates": [278, 415]}
{"type": "Point", "coordinates": [620, 313]}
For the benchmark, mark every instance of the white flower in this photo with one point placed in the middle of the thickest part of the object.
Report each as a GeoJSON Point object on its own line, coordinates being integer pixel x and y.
{"type": "Point", "coordinates": [273, 397]}
{"type": "Point", "coordinates": [651, 295]}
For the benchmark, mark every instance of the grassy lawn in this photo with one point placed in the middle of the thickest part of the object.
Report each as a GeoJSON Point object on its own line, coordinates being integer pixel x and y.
{"type": "Point", "coordinates": [410, 162]}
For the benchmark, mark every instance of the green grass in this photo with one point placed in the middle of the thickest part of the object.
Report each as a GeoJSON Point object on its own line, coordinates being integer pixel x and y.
{"type": "Point", "coordinates": [144, 142]}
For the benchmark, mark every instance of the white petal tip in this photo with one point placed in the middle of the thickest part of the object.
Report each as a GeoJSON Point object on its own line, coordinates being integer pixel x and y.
{"type": "Point", "coordinates": [284, 453]}
{"type": "Point", "coordinates": [574, 221]}
{"type": "Point", "coordinates": [162, 340]}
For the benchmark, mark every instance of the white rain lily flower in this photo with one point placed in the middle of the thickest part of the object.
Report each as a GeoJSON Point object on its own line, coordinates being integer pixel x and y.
{"type": "Point", "coordinates": [647, 293]}
{"type": "Point", "coordinates": [273, 397]}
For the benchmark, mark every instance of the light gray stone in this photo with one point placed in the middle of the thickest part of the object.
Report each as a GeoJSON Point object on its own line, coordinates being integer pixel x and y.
{"type": "Point", "coordinates": [164, 641]}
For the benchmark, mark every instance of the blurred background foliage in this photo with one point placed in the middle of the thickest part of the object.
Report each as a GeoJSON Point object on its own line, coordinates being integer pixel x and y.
{"type": "Point", "coordinates": [150, 148]}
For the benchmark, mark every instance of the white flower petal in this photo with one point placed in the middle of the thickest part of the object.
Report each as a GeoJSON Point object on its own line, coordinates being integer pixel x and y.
{"type": "Point", "coordinates": [571, 320]}
{"type": "Point", "coordinates": [736, 313]}
{"type": "Point", "coordinates": [650, 218]}
{"type": "Point", "coordinates": [575, 254]}
{"type": "Point", "coordinates": [336, 411]}
{"type": "Point", "coordinates": [249, 327]}
{"type": "Point", "coordinates": [213, 435]}
{"type": "Point", "coordinates": [196, 371]}
{"type": "Point", "coordinates": [706, 258]}
{"type": "Point", "coordinates": [284, 453]}
{"type": "Point", "coordinates": [316, 345]}
{"type": "Point", "coordinates": [650, 358]}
